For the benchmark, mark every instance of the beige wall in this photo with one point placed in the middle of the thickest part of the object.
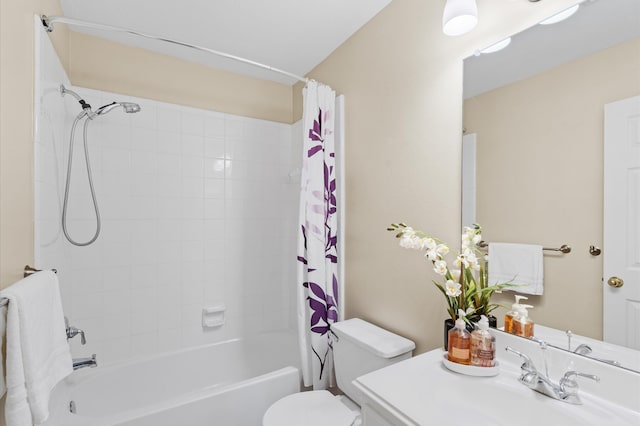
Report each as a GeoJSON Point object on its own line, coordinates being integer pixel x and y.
{"type": "Point", "coordinates": [16, 129]}
{"type": "Point", "coordinates": [540, 174]}
{"type": "Point", "coordinates": [403, 84]}
{"type": "Point", "coordinates": [114, 67]}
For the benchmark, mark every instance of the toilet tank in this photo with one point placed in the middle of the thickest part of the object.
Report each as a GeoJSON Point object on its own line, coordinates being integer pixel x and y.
{"type": "Point", "coordinates": [362, 347]}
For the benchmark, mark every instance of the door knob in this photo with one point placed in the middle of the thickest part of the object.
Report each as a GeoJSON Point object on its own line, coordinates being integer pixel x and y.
{"type": "Point", "coordinates": [615, 282]}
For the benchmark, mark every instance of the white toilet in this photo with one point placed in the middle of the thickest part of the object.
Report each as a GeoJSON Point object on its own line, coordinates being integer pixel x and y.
{"type": "Point", "coordinates": [360, 348]}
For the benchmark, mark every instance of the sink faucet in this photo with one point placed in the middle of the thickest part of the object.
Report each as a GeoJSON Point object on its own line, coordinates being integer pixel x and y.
{"type": "Point", "coordinates": [79, 363]}
{"type": "Point", "coordinates": [567, 388]}
{"type": "Point", "coordinates": [586, 350]}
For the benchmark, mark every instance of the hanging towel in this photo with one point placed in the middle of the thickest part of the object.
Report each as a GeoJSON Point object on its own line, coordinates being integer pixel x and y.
{"type": "Point", "coordinates": [3, 325]}
{"type": "Point", "coordinates": [517, 264]}
{"type": "Point", "coordinates": [38, 355]}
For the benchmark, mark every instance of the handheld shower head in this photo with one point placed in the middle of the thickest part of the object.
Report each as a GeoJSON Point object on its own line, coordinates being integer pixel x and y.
{"type": "Point", "coordinates": [129, 107]}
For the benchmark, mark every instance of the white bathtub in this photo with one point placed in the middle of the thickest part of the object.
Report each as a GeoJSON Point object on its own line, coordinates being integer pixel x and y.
{"type": "Point", "coordinates": [222, 384]}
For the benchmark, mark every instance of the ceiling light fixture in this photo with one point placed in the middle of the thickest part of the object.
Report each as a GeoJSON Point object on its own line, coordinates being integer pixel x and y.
{"type": "Point", "coordinates": [460, 17]}
{"type": "Point", "coordinates": [558, 17]}
{"type": "Point", "coordinates": [495, 47]}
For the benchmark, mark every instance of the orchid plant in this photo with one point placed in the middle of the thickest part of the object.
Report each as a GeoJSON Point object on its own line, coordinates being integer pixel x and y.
{"type": "Point", "coordinates": [465, 281]}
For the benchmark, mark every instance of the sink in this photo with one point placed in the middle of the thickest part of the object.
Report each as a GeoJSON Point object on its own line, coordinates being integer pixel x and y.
{"type": "Point", "coordinates": [421, 391]}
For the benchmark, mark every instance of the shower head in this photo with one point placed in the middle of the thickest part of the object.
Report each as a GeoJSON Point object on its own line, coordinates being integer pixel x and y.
{"type": "Point", "coordinates": [129, 107]}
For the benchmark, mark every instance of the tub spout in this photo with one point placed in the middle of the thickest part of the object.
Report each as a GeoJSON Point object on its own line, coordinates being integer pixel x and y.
{"type": "Point", "coordinates": [79, 363]}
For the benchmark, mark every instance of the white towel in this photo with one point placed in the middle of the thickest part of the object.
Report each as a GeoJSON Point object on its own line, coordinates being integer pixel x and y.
{"type": "Point", "coordinates": [517, 264]}
{"type": "Point", "coordinates": [38, 355]}
{"type": "Point", "coordinates": [3, 325]}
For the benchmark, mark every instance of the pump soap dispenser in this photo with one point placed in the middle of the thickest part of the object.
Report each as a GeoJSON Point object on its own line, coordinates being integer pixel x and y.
{"type": "Point", "coordinates": [523, 325]}
{"type": "Point", "coordinates": [483, 345]}
{"type": "Point", "coordinates": [513, 313]}
{"type": "Point", "coordinates": [459, 342]}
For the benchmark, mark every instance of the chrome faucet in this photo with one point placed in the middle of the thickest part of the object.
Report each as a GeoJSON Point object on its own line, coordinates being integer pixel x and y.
{"type": "Point", "coordinates": [567, 388]}
{"type": "Point", "coordinates": [79, 363]}
{"type": "Point", "coordinates": [73, 332]}
{"type": "Point", "coordinates": [585, 350]}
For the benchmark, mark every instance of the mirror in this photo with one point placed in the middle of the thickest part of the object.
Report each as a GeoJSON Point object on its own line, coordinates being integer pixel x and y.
{"type": "Point", "coordinates": [536, 112]}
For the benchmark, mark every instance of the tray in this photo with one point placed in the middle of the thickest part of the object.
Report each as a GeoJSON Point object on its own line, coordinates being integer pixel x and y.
{"type": "Point", "coordinates": [470, 370]}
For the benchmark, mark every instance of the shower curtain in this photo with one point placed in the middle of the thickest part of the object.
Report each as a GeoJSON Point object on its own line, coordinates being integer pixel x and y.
{"type": "Point", "coordinates": [317, 272]}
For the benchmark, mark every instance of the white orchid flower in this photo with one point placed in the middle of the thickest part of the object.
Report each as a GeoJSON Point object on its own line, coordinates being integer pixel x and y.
{"type": "Point", "coordinates": [461, 260]}
{"type": "Point", "coordinates": [455, 274]}
{"type": "Point", "coordinates": [432, 255]}
{"type": "Point", "coordinates": [405, 242]}
{"type": "Point", "coordinates": [429, 243]}
{"type": "Point", "coordinates": [442, 249]}
{"type": "Point", "coordinates": [411, 241]}
{"type": "Point", "coordinates": [476, 240]}
{"type": "Point", "coordinates": [440, 266]}
{"type": "Point", "coordinates": [452, 288]}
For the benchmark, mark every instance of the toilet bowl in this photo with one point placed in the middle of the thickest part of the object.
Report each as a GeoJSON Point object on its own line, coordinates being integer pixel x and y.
{"type": "Point", "coordinates": [359, 348]}
{"type": "Point", "coordinates": [314, 408]}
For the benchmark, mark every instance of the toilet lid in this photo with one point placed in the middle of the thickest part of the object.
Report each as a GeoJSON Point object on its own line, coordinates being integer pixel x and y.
{"type": "Point", "coordinates": [316, 408]}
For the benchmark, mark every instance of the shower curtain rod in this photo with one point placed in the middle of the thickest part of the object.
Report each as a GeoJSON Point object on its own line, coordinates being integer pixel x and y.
{"type": "Point", "coordinates": [48, 22]}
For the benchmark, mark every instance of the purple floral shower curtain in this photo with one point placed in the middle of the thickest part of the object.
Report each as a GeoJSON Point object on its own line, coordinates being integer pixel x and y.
{"type": "Point", "coordinates": [317, 240]}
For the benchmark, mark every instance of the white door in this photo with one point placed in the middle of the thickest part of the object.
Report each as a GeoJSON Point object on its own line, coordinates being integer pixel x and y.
{"type": "Point", "coordinates": [621, 305]}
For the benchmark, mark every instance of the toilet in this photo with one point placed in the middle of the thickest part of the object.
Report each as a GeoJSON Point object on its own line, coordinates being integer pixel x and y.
{"type": "Point", "coordinates": [359, 348]}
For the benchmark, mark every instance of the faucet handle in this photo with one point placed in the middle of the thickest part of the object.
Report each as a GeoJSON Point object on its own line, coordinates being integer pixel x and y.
{"type": "Point", "coordinates": [74, 331]}
{"type": "Point", "coordinates": [527, 365]}
{"type": "Point", "coordinates": [568, 383]}
{"type": "Point", "coordinates": [569, 374]}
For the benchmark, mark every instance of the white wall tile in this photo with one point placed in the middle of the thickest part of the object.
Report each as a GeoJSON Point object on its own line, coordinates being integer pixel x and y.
{"type": "Point", "coordinates": [192, 166]}
{"type": "Point", "coordinates": [192, 144]}
{"type": "Point", "coordinates": [169, 119]}
{"type": "Point", "coordinates": [192, 186]}
{"type": "Point", "coordinates": [215, 147]}
{"type": "Point", "coordinates": [186, 195]}
{"type": "Point", "coordinates": [169, 142]}
{"type": "Point", "coordinates": [193, 122]}
{"type": "Point", "coordinates": [214, 126]}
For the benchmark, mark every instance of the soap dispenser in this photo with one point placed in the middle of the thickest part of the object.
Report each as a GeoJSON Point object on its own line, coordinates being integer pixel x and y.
{"type": "Point", "coordinates": [483, 345]}
{"type": "Point", "coordinates": [523, 325]}
{"type": "Point", "coordinates": [513, 313]}
{"type": "Point", "coordinates": [459, 342]}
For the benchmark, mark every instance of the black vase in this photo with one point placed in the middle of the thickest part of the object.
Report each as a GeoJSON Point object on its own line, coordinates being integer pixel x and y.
{"type": "Point", "coordinates": [493, 321]}
{"type": "Point", "coordinates": [449, 324]}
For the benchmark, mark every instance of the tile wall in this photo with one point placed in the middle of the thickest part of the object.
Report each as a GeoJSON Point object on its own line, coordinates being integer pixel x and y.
{"type": "Point", "coordinates": [198, 208]}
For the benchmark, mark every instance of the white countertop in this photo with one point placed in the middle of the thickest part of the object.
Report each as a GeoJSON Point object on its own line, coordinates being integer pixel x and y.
{"type": "Point", "coordinates": [425, 392]}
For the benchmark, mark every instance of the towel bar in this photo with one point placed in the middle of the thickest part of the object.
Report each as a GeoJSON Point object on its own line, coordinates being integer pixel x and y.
{"type": "Point", "coordinates": [563, 248]}
{"type": "Point", "coordinates": [28, 270]}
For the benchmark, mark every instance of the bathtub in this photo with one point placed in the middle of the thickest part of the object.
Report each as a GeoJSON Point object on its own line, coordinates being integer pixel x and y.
{"type": "Point", "coordinates": [223, 384]}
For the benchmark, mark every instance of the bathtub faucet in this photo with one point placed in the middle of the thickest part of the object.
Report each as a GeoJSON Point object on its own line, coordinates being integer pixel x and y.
{"type": "Point", "coordinates": [79, 363]}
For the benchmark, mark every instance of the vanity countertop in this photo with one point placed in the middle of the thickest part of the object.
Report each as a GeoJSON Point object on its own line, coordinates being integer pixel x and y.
{"type": "Point", "coordinates": [422, 391]}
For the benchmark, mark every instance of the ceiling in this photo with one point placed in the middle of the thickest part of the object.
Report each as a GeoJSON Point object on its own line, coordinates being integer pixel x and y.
{"type": "Point", "coordinates": [292, 35]}
{"type": "Point", "coordinates": [597, 25]}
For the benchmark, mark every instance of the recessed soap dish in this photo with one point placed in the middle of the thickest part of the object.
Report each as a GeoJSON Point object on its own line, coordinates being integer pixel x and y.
{"type": "Point", "coordinates": [470, 370]}
{"type": "Point", "coordinates": [213, 316]}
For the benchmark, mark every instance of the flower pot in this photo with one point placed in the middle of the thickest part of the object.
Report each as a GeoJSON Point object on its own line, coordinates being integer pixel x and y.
{"type": "Point", "coordinates": [493, 321]}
